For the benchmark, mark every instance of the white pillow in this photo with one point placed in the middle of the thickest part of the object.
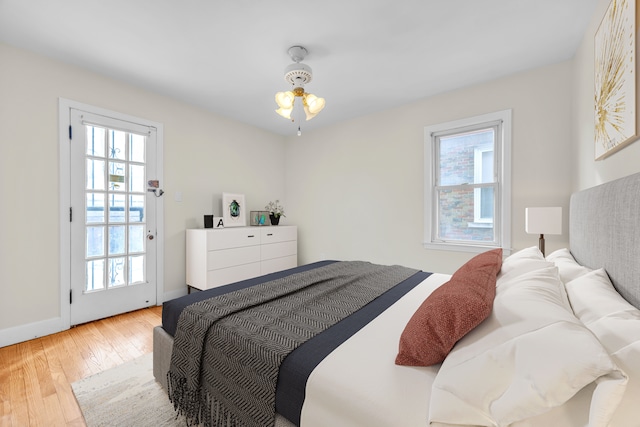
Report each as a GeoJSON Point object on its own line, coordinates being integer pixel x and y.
{"type": "Point", "coordinates": [568, 267]}
{"type": "Point", "coordinates": [530, 355]}
{"type": "Point", "coordinates": [593, 297]}
{"type": "Point", "coordinates": [616, 323]}
{"type": "Point", "coordinates": [521, 262]}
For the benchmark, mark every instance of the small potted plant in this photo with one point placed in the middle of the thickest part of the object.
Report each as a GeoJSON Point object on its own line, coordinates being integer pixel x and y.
{"type": "Point", "coordinates": [275, 211]}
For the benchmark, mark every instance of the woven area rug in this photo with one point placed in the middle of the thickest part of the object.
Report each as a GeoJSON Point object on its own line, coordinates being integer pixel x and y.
{"type": "Point", "coordinates": [126, 395]}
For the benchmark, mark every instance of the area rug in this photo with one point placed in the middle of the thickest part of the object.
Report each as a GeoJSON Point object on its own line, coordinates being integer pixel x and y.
{"type": "Point", "coordinates": [126, 395]}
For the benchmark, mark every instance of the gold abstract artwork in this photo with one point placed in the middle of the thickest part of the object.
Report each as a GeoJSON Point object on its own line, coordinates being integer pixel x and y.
{"type": "Point", "coordinates": [615, 94]}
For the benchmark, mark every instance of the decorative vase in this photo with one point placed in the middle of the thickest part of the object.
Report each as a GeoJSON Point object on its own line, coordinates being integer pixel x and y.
{"type": "Point", "coordinates": [274, 219]}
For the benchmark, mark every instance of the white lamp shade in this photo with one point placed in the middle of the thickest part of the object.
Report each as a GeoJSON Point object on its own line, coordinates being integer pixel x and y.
{"type": "Point", "coordinates": [314, 103]}
{"type": "Point", "coordinates": [543, 220]}
{"type": "Point", "coordinates": [285, 100]}
{"type": "Point", "coordinates": [285, 112]}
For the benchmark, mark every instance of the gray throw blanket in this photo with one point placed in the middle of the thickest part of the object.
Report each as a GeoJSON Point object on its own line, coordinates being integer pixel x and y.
{"type": "Point", "coordinates": [228, 349]}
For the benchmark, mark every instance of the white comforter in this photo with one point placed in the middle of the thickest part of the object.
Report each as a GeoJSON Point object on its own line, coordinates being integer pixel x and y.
{"type": "Point", "coordinates": [532, 363]}
{"type": "Point", "coordinates": [358, 384]}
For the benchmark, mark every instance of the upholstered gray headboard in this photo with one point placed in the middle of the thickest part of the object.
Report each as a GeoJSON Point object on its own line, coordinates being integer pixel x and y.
{"type": "Point", "coordinates": [604, 231]}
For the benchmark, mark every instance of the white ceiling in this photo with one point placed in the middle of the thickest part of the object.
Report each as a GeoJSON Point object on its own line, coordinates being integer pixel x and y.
{"type": "Point", "coordinates": [367, 55]}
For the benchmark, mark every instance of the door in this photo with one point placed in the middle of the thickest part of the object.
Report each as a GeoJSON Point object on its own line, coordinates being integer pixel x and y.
{"type": "Point", "coordinates": [113, 216]}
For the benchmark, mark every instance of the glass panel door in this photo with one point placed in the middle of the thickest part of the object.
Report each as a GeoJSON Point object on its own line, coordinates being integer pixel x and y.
{"type": "Point", "coordinates": [113, 227]}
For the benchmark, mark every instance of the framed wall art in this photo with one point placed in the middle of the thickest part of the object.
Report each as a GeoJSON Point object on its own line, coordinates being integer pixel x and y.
{"type": "Point", "coordinates": [234, 213]}
{"type": "Point", "coordinates": [615, 78]}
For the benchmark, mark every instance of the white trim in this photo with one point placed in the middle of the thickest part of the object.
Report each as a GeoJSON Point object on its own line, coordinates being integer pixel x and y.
{"type": "Point", "coordinates": [502, 216]}
{"type": "Point", "coordinates": [160, 217]}
{"type": "Point", "coordinates": [29, 331]}
{"type": "Point", "coordinates": [64, 121]}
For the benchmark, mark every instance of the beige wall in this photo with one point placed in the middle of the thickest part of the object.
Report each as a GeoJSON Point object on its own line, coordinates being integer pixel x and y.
{"type": "Point", "coordinates": [346, 183]}
{"type": "Point", "coordinates": [625, 162]}
{"type": "Point", "coordinates": [356, 189]}
{"type": "Point", "coordinates": [204, 155]}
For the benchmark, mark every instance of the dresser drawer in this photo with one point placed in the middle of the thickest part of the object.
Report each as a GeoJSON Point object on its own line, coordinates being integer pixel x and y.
{"type": "Point", "coordinates": [278, 250]}
{"type": "Point", "coordinates": [232, 238]}
{"type": "Point", "coordinates": [281, 233]}
{"type": "Point", "coordinates": [231, 257]}
{"type": "Point", "coordinates": [278, 264]}
{"type": "Point", "coordinates": [225, 276]}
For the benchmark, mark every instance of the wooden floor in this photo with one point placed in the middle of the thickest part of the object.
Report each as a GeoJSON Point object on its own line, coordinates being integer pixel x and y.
{"type": "Point", "coordinates": [36, 376]}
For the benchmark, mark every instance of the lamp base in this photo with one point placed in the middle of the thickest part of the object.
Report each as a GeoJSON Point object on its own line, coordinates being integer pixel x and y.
{"type": "Point", "coordinates": [541, 244]}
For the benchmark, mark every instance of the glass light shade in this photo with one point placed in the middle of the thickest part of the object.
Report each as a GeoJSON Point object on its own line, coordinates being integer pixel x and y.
{"type": "Point", "coordinates": [312, 105]}
{"type": "Point", "coordinates": [308, 113]}
{"type": "Point", "coordinates": [285, 99]}
{"type": "Point", "coordinates": [285, 112]}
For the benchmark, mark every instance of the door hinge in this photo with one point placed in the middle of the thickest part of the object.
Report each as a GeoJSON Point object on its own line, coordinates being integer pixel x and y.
{"type": "Point", "coordinates": [70, 132]}
{"type": "Point", "coordinates": [70, 214]}
{"type": "Point", "coordinates": [71, 297]}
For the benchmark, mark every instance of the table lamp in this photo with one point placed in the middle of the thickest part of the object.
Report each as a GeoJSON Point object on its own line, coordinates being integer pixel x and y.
{"type": "Point", "coordinates": [543, 221]}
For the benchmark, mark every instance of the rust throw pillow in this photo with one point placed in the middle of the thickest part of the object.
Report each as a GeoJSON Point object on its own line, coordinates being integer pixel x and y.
{"type": "Point", "coordinates": [451, 311]}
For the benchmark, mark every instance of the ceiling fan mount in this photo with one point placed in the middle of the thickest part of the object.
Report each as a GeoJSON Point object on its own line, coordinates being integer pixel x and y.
{"type": "Point", "coordinates": [298, 74]}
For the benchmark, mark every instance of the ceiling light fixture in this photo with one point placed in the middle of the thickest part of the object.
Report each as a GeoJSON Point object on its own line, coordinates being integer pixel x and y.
{"type": "Point", "coordinates": [298, 74]}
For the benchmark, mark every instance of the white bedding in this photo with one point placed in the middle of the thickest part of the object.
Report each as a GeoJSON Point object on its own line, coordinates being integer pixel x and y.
{"type": "Point", "coordinates": [341, 391]}
{"type": "Point", "coordinates": [532, 354]}
{"type": "Point", "coordinates": [348, 386]}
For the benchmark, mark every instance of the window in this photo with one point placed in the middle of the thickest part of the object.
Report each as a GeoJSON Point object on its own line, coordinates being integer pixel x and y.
{"type": "Point", "coordinates": [467, 183]}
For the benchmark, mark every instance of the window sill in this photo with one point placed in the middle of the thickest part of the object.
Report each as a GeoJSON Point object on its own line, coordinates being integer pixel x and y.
{"type": "Point", "coordinates": [464, 247]}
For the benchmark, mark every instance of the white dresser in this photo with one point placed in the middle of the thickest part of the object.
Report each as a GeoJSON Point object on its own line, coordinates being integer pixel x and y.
{"type": "Point", "coordinates": [219, 256]}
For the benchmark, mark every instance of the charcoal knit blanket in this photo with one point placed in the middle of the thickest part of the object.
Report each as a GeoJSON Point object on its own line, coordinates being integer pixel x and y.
{"type": "Point", "coordinates": [228, 349]}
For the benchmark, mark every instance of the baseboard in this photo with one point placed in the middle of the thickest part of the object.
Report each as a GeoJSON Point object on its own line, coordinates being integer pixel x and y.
{"type": "Point", "coordinates": [30, 331]}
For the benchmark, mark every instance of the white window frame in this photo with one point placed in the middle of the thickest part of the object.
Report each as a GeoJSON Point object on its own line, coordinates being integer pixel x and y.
{"type": "Point", "coordinates": [478, 170]}
{"type": "Point", "coordinates": [502, 194]}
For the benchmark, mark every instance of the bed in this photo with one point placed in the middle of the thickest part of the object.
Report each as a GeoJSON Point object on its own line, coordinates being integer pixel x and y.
{"type": "Point", "coordinates": [558, 344]}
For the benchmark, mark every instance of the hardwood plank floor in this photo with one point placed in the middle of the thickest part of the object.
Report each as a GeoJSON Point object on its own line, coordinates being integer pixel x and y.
{"type": "Point", "coordinates": [36, 375]}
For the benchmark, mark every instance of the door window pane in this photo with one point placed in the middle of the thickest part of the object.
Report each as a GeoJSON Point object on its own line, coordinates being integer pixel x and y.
{"type": "Point", "coordinates": [117, 239]}
{"type": "Point", "coordinates": [95, 241]}
{"type": "Point", "coordinates": [95, 174]}
{"type": "Point", "coordinates": [136, 269]}
{"type": "Point", "coordinates": [95, 208]}
{"type": "Point", "coordinates": [117, 208]}
{"type": "Point", "coordinates": [137, 148]}
{"type": "Point", "coordinates": [95, 141]}
{"type": "Point", "coordinates": [95, 275]}
{"type": "Point", "coordinates": [136, 208]}
{"type": "Point", "coordinates": [136, 238]}
{"type": "Point", "coordinates": [116, 272]}
{"type": "Point", "coordinates": [136, 175]}
{"type": "Point", "coordinates": [117, 145]}
{"type": "Point", "coordinates": [116, 176]}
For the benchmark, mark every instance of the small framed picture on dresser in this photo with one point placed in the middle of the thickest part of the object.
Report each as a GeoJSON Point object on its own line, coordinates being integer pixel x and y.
{"type": "Point", "coordinates": [234, 213]}
{"type": "Point", "coordinates": [259, 218]}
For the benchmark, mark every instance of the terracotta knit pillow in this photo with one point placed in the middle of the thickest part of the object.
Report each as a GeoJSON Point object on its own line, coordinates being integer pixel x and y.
{"type": "Point", "coordinates": [451, 311]}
